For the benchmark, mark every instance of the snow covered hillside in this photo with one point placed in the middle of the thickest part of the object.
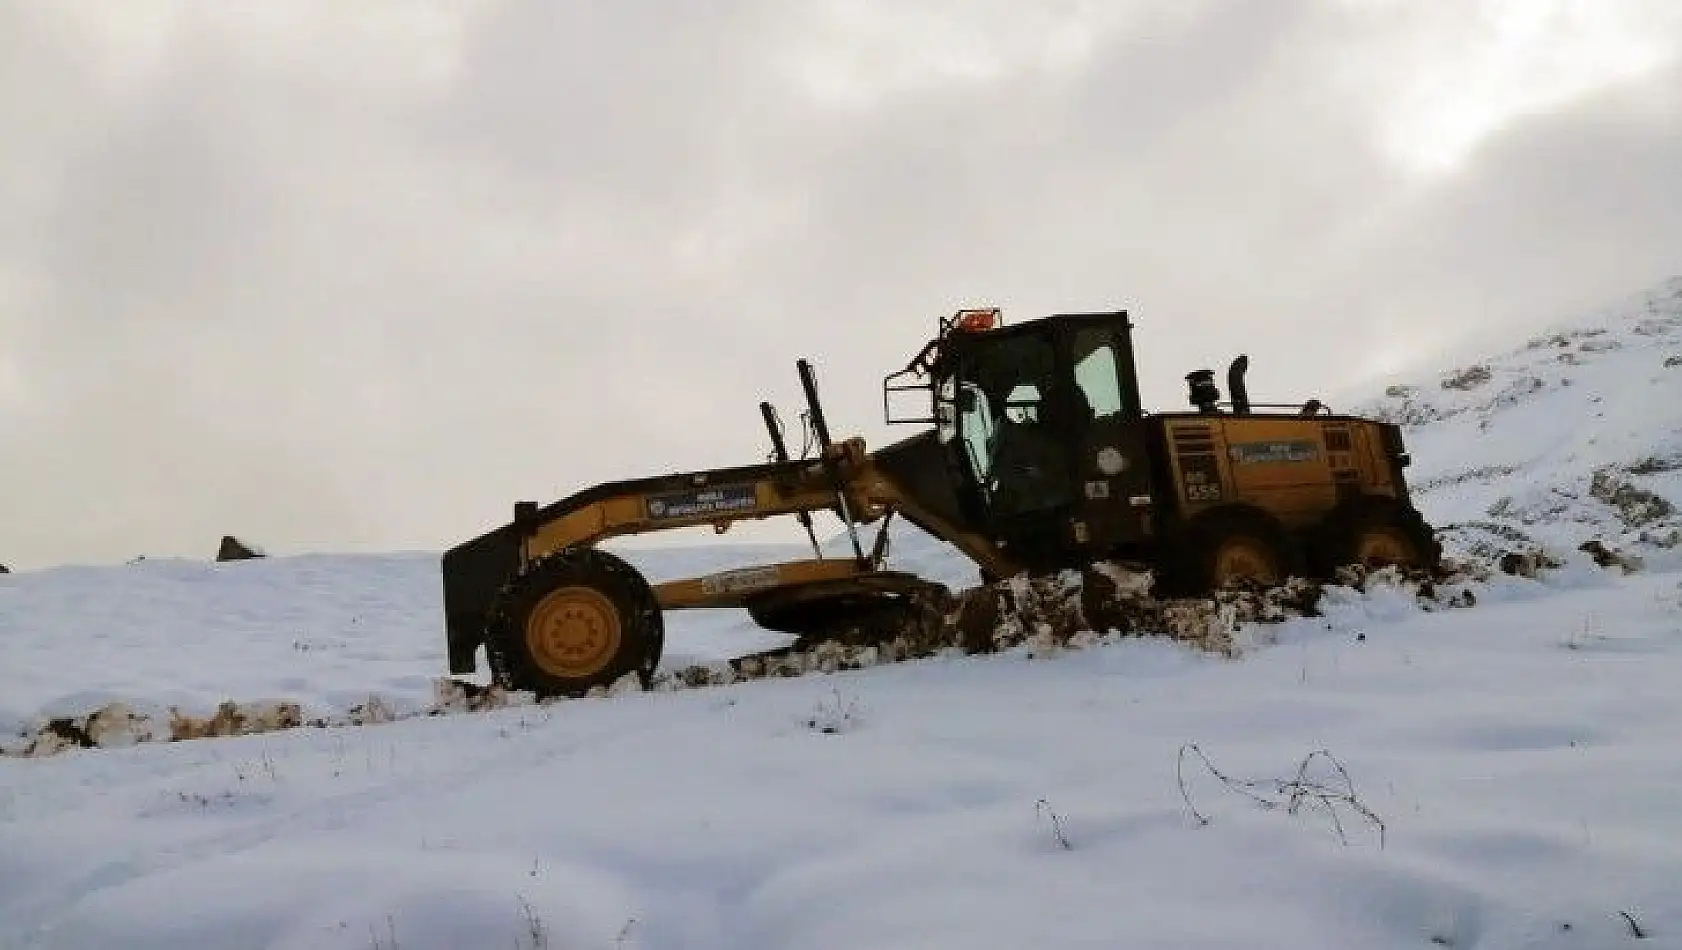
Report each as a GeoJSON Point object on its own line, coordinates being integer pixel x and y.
{"type": "Point", "coordinates": [1574, 436]}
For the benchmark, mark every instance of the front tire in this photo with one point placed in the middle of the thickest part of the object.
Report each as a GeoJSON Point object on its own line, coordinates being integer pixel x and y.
{"type": "Point", "coordinates": [572, 621]}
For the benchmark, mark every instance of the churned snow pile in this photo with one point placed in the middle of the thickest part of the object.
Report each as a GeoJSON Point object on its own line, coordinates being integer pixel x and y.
{"type": "Point", "coordinates": [1574, 436]}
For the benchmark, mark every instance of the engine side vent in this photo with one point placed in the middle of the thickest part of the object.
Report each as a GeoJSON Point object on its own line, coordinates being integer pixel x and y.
{"type": "Point", "coordinates": [1193, 440]}
{"type": "Point", "coordinates": [1200, 471]}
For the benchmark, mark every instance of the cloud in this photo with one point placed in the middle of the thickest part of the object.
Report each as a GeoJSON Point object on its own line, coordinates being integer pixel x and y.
{"type": "Point", "coordinates": [1553, 217]}
{"type": "Point", "coordinates": [361, 276]}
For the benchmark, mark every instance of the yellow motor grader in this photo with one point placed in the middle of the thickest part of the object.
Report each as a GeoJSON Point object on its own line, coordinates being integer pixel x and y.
{"type": "Point", "coordinates": [1035, 456]}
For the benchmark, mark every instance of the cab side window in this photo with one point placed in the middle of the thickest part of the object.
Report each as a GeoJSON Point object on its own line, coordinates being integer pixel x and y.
{"type": "Point", "coordinates": [1097, 371]}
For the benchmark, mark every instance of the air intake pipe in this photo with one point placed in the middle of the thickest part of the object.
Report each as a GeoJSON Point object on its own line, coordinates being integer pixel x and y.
{"type": "Point", "coordinates": [1204, 394]}
{"type": "Point", "coordinates": [1235, 385]}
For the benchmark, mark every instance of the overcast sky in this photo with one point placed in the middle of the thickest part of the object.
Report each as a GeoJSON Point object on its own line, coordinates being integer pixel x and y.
{"type": "Point", "coordinates": [339, 276]}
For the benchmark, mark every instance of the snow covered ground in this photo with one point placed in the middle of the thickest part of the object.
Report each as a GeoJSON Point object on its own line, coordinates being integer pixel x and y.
{"type": "Point", "coordinates": [1519, 755]}
{"type": "Point", "coordinates": [326, 631]}
{"type": "Point", "coordinates": [1512, 767]}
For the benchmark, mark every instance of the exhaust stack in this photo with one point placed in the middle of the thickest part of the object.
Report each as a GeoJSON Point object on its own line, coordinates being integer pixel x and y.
{"type": "Point", "coordinates": [1235, 384]}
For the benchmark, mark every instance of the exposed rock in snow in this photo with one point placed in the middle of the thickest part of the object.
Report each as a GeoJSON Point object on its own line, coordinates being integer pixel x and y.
{"type": "Point", "coordinates": [233, 549]}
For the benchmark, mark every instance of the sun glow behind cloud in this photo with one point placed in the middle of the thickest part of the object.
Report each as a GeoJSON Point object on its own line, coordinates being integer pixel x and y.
{"type": "Point", "coordinates": [1452, 75]}
{"type": "Point", "coordinates": [1436, 79]}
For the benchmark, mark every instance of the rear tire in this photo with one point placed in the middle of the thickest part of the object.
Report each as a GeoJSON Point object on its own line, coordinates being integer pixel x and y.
{"type": "Point", "coordinates": [1374, 533]}
{"type": "Point", "coordinates": [1227, 547]}
{"type": "Point", "coordinates": [572, 621]}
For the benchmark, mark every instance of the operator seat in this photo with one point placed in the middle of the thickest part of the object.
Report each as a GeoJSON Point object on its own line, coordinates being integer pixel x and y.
{"type": "Point", "coordinates": [1031, 466]}
{"type": "Point", "coordinates": [1065, 408]}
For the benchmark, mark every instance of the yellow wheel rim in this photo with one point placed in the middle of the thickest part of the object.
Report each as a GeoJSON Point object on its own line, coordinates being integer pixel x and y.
{"type": "Point", "coordinates": [1245, 558]}
{"type": "Point", "coordinates": [1380, 546]}
{"type": "Point", "coordinates": [573, 632]}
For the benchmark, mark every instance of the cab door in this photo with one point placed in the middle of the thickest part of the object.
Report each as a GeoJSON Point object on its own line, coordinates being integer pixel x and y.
{"type": "Point", "coordinates": [1109, 457]}
{"type": "Point", "coordinates": [1018, 462]}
